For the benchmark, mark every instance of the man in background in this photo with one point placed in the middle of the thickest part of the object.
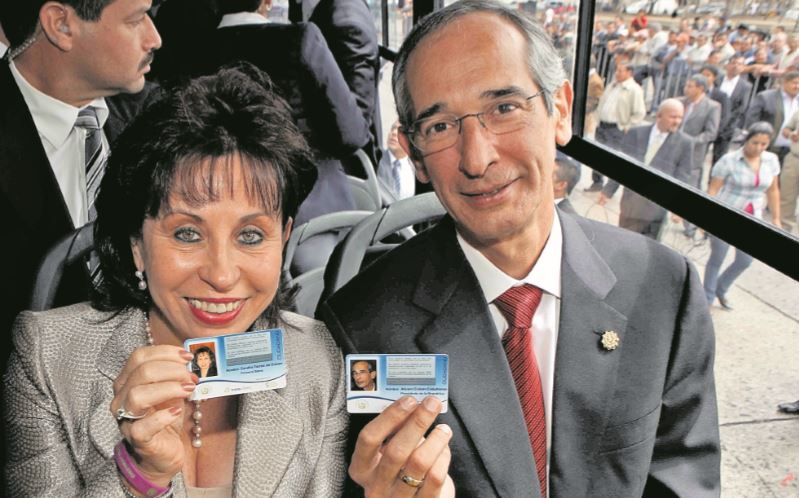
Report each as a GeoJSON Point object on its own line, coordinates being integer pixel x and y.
{"type": "Point", "coordinates": [566, 176]}
{"type": "Point", "coordinates": [396, 169]}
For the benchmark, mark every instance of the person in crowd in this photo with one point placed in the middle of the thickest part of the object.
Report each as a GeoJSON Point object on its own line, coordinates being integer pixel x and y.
{"type": "Point", "coordinates": [661, 146]}
{"type": "Point", "coordinates": [699, 53]}
{"type": "Point", "coordinates": [396, 169]}
{"type": "Point", "coordinates": [758, 69]}
{"type": "Point", "coordinates": [639, 22]}
{"type": "Point", "coordinates": [714, 58]}
{"type": "Point", "coordinates": [67, 59]}
{"type": "Point", "coordinates": [775, 107]}
{"type": "Point", "coordinates": [581, 355]}
{"type": "Point", "coordinates": [711, 74]}
{"type": "Point", "coordinates": [701, 123]}
{"type": "Point", "coordinates": [204, 363]}
{"type": "Point", "coordinates": [789, 174]}
{"type": "Point", "coordinates": [596, 87]}
{"type": "Point", "coordinates": [738, 90]}
{"type": "Point", "coordinates": [744, 179]}
{"type": "Point", "coordinates": [564, 179]}
{"type": "Point", "coordinates": [326, 110]}
{"type": "Point", "coordinates": [621, 107]}
{"type": "Point", "coordinates": [788, 61]}
{"type": "Point", "coordinates": [722, 44]}
{"type": "Point", "coordinates": [194, 211]}
{"type": "Point", "coordinates": [364, 376]}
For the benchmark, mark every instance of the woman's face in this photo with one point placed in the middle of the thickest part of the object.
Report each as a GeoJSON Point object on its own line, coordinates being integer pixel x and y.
{"type": "Point", "coordinates": [204, 360]}
{"type": "Point", "coordinates": [211, 269]}
{"type": "Point", "coordinates": [756, 145]}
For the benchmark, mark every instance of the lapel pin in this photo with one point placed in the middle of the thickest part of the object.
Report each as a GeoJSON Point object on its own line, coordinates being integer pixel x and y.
{"type": "Point", "coordinates": [610, 340]}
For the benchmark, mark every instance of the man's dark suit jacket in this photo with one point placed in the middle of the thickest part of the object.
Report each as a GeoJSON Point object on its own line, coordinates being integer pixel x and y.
{"type": "Point", "coordinates": [33, 208]}
{"type": "Point", "coordinates": [299, 62]}
{"type": "Point", "coordinates": [673, 158]}
{"type": "Point", "coordinates": [767, 106]}
{"type": "Point", "coordinates": [638, 420]}
{"type": "Point", "coordinates": [739, 99]}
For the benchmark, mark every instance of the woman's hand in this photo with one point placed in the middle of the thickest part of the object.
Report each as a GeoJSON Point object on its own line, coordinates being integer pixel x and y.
{"type": "Point", "coordinates": [393, 458]}
{"type": "Point", "coordinates": [154, 384]}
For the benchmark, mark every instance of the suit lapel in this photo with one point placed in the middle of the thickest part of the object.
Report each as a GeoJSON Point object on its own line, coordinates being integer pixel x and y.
{"type": "Point", "coordinates": [778, 111]}
{"type": "Point", "coordinates": [26, 178]}
{"type": "Point", "coordinates": [481, 390]}
{"type": "Point", "coordinates": [585, 372]}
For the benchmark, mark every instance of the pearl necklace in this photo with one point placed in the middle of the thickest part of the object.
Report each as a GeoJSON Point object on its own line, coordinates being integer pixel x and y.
{"type": "Point", "coordinates": [196, 415]}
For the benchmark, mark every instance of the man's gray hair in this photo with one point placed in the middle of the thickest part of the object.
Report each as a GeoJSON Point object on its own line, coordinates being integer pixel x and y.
{"type": "Point", "coordinates": [543, 62]}
{"type": "Point", "coordinates": [701, 81]}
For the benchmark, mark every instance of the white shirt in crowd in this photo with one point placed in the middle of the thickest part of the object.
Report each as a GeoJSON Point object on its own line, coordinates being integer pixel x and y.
{"type": "Point", "coordinates": [64, 144]}
{"type": "Point", "coordinates": [545, 275]}
{"type": "Point", "coordinates": [407, 175]}
{"type": "Point", "coordinates": [242, 19]}
{"type": "Point", "coordinates": [728, 85]}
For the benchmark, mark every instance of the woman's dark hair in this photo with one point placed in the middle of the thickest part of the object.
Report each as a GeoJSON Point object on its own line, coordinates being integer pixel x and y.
{"type": "Point", "coordinates": [204, 349]}
{"type": "Point", "coordinates": [177, 146]}
{"type": "Point", "coordinates": [759, 128]}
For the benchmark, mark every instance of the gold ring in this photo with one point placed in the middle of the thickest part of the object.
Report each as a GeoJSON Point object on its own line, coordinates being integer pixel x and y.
{"type": "Point", "coordinates": [410, 481]}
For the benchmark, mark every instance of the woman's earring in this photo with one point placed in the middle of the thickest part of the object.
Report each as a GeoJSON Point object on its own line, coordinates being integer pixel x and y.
{"type": "Point", "coordinates": [142, 283]}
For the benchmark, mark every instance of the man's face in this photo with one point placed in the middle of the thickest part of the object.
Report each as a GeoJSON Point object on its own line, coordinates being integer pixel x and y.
{"type": "Point", "coordinates": [669, 118]}
{"type": "Point", "coordinates": [692, 90]}
{"type": "Point", "coordinates": [623, 72]}
{"type": "Point", "coordinates": [734, 67]}
{"type": "Point", "coordinates": [710, 75]}
{"type": "Point", "coordinates": [363, 377]}
{"type": "Point", "coordinates": [495, 187]}
{"type": "Point", "coordinates": [791, 87]}
{"type": "Point", "coordinates": [112, 55]}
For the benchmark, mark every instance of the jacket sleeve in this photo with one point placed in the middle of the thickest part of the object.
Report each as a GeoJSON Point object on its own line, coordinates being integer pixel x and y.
{"type": "Point", "coordinates": [40, 462]}
{"type": "Point", "coordinates": [686, 458]}
{"type": "Point", "coordinates": [710, 128]}
{"type": "Point", "coordinates": [755, 111]}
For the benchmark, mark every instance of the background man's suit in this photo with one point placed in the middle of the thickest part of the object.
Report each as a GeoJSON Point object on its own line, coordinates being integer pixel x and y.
{"type": "Point", "coordinates": [767, 106]}
{"type": "Point", "coordinates": [702, 125]}
{"type": "Point", "coordinates": [34, 212]}
{"type": "Point", "coordinates": [739, 99]}
{"type": "Point", "coordinates": [637, 213]}
{"type": "Point", "coordinates": [630, 422]}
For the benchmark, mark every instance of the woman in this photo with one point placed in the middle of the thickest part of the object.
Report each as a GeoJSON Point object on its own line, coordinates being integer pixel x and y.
{"type": "Point", "coordinates": [204, 363]}
{"type": "Point", "coordinates": [195, 207]}
{"type": "Point", "coordinates": [745, 179]}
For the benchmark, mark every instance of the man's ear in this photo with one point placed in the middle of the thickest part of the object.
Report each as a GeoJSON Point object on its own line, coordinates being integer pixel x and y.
{"type": "Point", "coordinates": [418, 164]}
{"type": "Point", "coordinates": [58, 23]}
{"type": "Point", "coordinates": [373, 375]}
{"type": "Point", "coordinates": [563, 98]}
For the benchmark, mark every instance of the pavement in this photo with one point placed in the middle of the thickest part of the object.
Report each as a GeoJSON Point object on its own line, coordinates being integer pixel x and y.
{"type": "Point", "coordinates": [757, 365]}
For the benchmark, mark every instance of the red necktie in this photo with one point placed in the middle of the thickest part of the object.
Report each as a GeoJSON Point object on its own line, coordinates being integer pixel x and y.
{"type": "Point", "coordinates": [518, 304]}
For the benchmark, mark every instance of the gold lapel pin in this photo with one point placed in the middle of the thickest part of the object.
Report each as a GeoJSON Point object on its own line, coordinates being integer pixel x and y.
{"type": "Point", "coordinates": [610, 340]}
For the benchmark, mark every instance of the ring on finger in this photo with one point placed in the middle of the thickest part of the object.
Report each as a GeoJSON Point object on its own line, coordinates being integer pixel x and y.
{"type": "Point", "coordinates": [410, 481]}
{"type": "Point", "coordinates": [122, 414]}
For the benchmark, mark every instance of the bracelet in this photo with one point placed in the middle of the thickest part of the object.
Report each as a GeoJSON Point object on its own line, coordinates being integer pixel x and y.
{"type": "Point", "coordinates": [133, 476]}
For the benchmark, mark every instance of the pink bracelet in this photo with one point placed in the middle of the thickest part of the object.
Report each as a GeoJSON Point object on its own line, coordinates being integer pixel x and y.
{"type": "Point", "coordinates": [127, 467]}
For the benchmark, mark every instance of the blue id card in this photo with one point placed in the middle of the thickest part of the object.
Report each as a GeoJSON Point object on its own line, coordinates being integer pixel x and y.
{"type": "Point", "coordinates": [237, 363]}
{"type": "Point", "coordinates": [374, 381]}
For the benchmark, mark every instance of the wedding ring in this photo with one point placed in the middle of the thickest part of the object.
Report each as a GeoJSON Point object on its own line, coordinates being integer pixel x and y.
{"type": "Point", "coordinates": [122, 414]}
{"type": "Point", "coordinates": [410, 481]}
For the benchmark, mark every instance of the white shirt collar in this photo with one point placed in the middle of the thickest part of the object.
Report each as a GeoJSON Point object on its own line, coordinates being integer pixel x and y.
{"type": "Point", "coordinates": [53, 118]}
{"type": "Point", "coordinates": [242, 18]}
{"type": "Point", "coordinates": [545, 273]}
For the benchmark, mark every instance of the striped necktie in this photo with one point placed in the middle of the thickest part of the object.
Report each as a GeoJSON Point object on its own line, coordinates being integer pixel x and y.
{"type": "Point", "coordinates": [95, 155]}
{"type": "Point", "coordinates": [518, 305]}
{"type": "Point", "coordinates": [395, 175]}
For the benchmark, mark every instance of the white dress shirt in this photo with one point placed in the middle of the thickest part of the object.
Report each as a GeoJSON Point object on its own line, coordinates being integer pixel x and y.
{"type": "Point", "coordinates": [407, 175]}
{"type": "Point", "coordinates": [545, 275]}
{"type": "Point", "coordinates": [64, 144]}
{"type": "Point", "coordinates": [789, 107]}
{"type": "Point", "coordinates": [241, 19]}
{"type": "Point", "coordinates": [728, 85]}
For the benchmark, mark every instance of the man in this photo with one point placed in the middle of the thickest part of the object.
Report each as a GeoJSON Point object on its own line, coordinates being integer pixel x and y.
{"type": "Point", "coordinates": [701, 123]}
{"type": "Point", "coordinates": [738, 89]}
{"type": "Point", "coordinates": [621, 107]}
{"type": "Point", "coordinates": [56, 121]}
{"type": "Point", "coordinates": [364, 375]}
{"type": "Point", "coordinates": [776, 107]}
{"type": "Point", "coordinates": [787, 61]}
{"type": "Point", "coordinates": [699, 53]}
{"type": "Point", "coordinates": [396, 170]}
{"type": "Point", "coordinates": [635, 416]}
{"type": "Point", "coordinates": [711, 74]}
{"type": "Point", "coordinates": [564, 179]}
{"type": "Point", "coordinates": [661, 146]}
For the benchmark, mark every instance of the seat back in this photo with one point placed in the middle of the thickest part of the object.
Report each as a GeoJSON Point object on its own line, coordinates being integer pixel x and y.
{"type": "Point", "coordinates": [366, 236]}
{"type": "Point", "coordinates": [308, 286]}
{"type": "Point", "coordinates": [69, 250]}
{"type": "Point", "coordinates": [366, 193]}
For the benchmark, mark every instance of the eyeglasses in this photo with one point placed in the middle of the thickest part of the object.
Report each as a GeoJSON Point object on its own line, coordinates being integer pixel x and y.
{"type": "Point", "coordinates": [439, 132]}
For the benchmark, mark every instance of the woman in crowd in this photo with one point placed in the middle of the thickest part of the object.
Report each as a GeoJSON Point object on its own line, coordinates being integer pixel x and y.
{"type": "Point", "coordinates": [744, 179]}
{"type": "Point", "coordinates": [194, 209]}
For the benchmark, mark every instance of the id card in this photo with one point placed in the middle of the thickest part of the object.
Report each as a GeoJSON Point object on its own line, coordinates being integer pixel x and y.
{"type": "Point", "coordinates": [374, 381]}
{"type": "Point", "coordinates": [237, 363]}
